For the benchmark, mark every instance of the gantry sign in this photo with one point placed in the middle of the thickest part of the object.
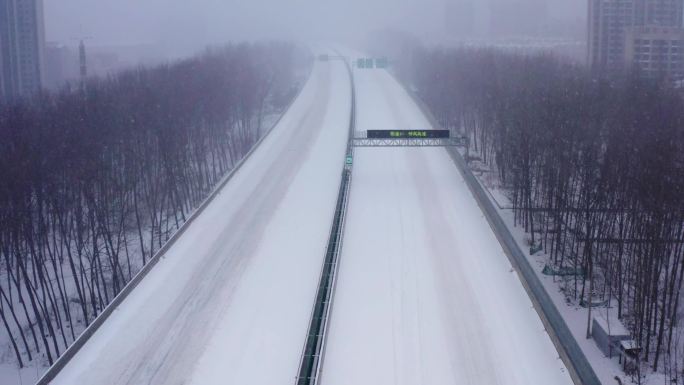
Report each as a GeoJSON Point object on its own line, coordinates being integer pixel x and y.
{"type": "Point", "coordinates": [408, 138]}
{"type": "Point", "coordinates": [370, 63]}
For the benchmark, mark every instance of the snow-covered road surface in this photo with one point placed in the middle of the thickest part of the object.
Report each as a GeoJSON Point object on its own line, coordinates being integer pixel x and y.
{"type": "Point", "coordinates": [231, 300]}
{"type": "Point", "coordinates": [425, 294]}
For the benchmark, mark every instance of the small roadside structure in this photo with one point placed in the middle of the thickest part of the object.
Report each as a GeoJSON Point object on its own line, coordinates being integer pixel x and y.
{"type": "Point", "coordinates": [564, 271]}
{"type": "Point", "coordinates": [629, 355]}
{"type": "Point", "coordinates": [536, 247]}
{"type": "Point", "coordinates": [612, 337]}
{"type": "Point", "coordinates": [608, 331]}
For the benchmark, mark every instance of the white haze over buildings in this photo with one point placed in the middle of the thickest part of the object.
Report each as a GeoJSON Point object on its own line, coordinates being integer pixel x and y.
{"type": "Point", "coordinates": [183, 26]}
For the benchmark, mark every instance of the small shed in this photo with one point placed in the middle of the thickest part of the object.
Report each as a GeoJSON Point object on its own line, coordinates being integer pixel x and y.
{"type": "Point", "coordinates": [608, 332]}
{"type": "Point", "coordinates": [629, 354]}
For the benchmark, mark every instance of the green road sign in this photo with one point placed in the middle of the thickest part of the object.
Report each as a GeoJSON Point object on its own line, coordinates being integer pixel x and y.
{"type": "Point", "coordinates": [381, 62]}
{"type": "Point", "coordinates": [365, 63]}
{"type": "Point", "coordinates": [350, 160]}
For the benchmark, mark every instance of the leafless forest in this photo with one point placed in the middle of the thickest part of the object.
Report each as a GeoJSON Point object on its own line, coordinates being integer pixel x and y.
{"type": "Point", "coordinates": [96, 177]}
{"type": "Point", "coordinates": [594, 170]}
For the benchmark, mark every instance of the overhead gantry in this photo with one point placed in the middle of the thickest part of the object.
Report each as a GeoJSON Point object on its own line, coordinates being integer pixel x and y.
{"type": "Point", "coordinates": [408, 138]}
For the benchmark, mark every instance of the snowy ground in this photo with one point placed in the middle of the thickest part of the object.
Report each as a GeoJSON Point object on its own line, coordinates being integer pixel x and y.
{"type": "Point", "coordinates": [425, 294]}
{"type": "Point", "coordinates": [231, 301]}
{"type": "Point", "coordinates": [575, 316]}
{"type": "Point", "coordinates": [606, 368]}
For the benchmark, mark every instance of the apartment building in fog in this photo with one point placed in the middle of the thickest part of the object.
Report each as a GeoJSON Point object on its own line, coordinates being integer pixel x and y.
{"type": "Point", "coordinates": [22, 39]}
{"type": "Point", "coordinates": [645, 36]}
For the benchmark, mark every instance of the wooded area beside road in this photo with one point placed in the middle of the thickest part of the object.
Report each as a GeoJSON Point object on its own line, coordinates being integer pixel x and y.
{"type": "Point", "coordinates": [594, 170]}
{"type": "Point", "coordinates": [97, 177]}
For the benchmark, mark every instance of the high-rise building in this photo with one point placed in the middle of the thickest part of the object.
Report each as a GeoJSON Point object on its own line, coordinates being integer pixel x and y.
{"type": "Point", "coordinates": [641, 35]}
{"type": "Point", "coordinates": [663, 13]}
{"type": "Point", "coordinates": [22, 37]}
{"type": "Point", "coordinates": [655, 52]}
{"type": "Point", "coordinates": [61, 65]}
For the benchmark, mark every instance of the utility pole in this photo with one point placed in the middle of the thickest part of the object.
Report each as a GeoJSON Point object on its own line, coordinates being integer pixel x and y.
{"type": "Point", "coordinates": [82, 60]}
{"type": "Point", "coordinates": [82, 57]}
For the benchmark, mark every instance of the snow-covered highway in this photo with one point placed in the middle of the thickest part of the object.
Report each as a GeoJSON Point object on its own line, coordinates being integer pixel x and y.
{"type": "Point", "coordinates": [425, 294]}
{"type": "Point", "coordinates": [231, 300]}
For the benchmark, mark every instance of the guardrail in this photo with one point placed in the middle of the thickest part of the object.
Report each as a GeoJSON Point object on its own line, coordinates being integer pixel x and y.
{"type": "Point", "coordinates": [311, 362]}
{"type": "Point", "coordinates": [572, 355]}
{"type": "Point", "coordinates": [76, 346]}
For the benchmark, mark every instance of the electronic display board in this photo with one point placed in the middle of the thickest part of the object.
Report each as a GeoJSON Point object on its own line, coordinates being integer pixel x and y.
{"type": "Point", "coordinates": [408, 134]}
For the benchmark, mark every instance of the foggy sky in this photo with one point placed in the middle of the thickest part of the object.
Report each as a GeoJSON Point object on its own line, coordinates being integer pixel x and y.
{"type": "Point", "coordinates": [185, 25]}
